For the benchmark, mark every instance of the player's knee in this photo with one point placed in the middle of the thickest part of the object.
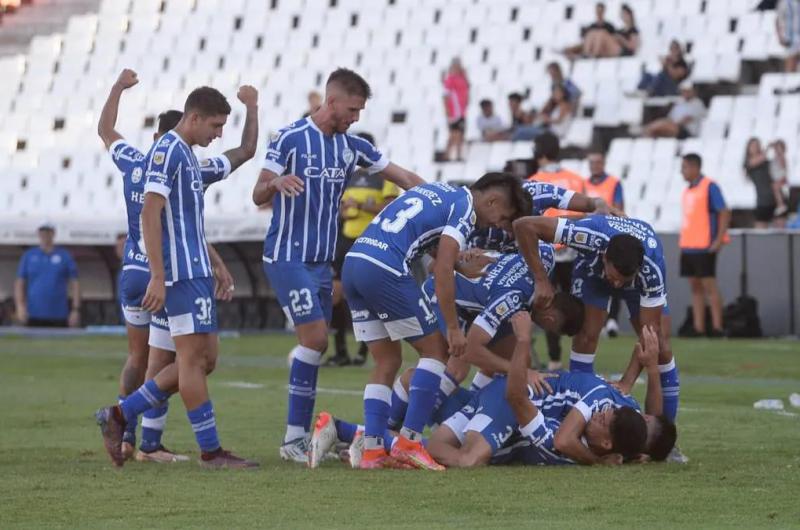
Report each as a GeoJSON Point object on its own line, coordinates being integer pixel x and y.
{"type": "Point", "coordinates": [317, 342]}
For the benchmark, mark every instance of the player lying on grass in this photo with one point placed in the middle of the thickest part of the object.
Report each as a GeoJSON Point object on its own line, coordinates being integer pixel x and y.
{"type": "Point", "coordinates": [143, 363]}
{"type": "Point", "coordinates": [405, 229]}
{"type": "Point", "coordinates": [182, 271]}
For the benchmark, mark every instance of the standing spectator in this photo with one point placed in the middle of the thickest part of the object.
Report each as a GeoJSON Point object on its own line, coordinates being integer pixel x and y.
{"type": "Point", "coordinates": [674, 70]}
{"type": "Point", "coordinates": [364, 197]}
{"type": "Point", "coordinates": [768, 192]}
{"type": "Point", "coordinates": [705, 229]}
{"type": "Point", "coordinates": [46, 278]}
{"type": "Point", "coordinates": [557, 79]}
{"type": "Point", "coordinates": [456, 99]}
{"type": "Point", "coordinates": [592, 35]}
{"type": "Point", "coordinates": [489, 124]}
{"type": "Point", "coordinates": [684, 117]}
{"type": "Point", "coordinates": [779, 169]}
{"type": "Point", "coordinates": [609, 188]}
{"type": "Point", "coordinates": [314, 103]}
{"type": "Point", "coordinates": [787, 24]}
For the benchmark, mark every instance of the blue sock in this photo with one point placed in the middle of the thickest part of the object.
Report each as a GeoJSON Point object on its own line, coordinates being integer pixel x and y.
{"type": "Point", "coordinates": [376, 414]}
{"type": "Point", "coordinates": [302, 391]}
{"type": "Point", "coordinates": [146, 397]}
{"type": "Point", "coordinates": [581, 362]}
{"type": "Point", "coordinates": [153, 422]}
{"type": "Point", "coordinates": [204, 426]}
{"type": "Point", "coordinates": [388, 439]}
{"type": "Point", "coordinates": [446, 387]}
{"type": "Point", "coordinates": [670, 388]}
{"type": "Point", "coordinates": [129, 436]}
{"type": "Point", "coordinates": [422, 397]}
{"type": "Point", "coordinates": [345, 431]}
{"type": "Point", "coordinates": [399, 405]}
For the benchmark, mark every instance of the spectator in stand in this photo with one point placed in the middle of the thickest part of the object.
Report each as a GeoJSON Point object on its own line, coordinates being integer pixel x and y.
{"type": "Point", "coordinates": [489, 124]}
{"type": "Point", "coordinates": [46, 278]}
{"type": "Point", "coordinates": [787, 24]}
{"type": "Point", "coordinates": [557, 79]}
{"type": "Point", "coordinates": [314, 103]}
{"type": "Point", "coordinates": [522, 127]}
{"type": "Point", "coordinates": [704, 230]}
{"type": "Point", "coordinates": [684, 117]}
{"type": "Point", "coordinates": [609, 188]}
{"type": "Point", "coordinates": [769, 200]}
{"type": "Point", "coordinates": [674, 70]}
{"type": "Point", "coordinates": [456, 99]}
{"type": "Point", "coordinates": [779, 170]}
{"type": "Point", "coordinates": [556, 115]}
{"type": "Point", "coordinates": [592, 35]}
{"type": "Point", "coordinates": [623, 43]}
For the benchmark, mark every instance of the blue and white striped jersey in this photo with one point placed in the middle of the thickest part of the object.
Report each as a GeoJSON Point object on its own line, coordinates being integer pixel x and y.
{"type": "Point", "coordinates": [543, 197]}
{"type": "Point", "coordinates": [411, 225]}
{"type": "Point", "coordinates": [130, 162]}
{"type": "Point", "coordinates": [586, 392]}
{"type": "Point", "coordinates": [590, 237]}
{"type": "Point", "coordinates": [305, 228]}
{"type": "Point", "coordinates": [172, 171]}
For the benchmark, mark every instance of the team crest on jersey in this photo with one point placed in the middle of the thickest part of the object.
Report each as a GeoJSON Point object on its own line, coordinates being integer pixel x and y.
{"type": "Point", "coordinates": [158, 158]}
{"type": "Point", "coordinates": [651, 242]}
{"type": "Point", "coordinates": [56, 258]}
{"type": "Point", "coordinates": [136, 175]}
{"type": "Point", "coordinates": [348, 156]}
{"type": "Point", "coordinates": [581, 238]}
{"type": "Point", "coordinates": [501, 309]}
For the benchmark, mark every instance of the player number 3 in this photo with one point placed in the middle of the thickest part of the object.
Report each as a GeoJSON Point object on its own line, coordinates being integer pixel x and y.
{"type": "Point", "coordinates": [414, 207]}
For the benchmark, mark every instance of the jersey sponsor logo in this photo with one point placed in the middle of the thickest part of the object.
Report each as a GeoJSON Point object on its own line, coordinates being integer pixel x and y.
{"type": "Point", "coordinates": [334, 174]}
{"type": "Point", "coordinates": [308, 157]}
{"type": "Point", "coordinates": [158, 158]}
{"type": "Point", "coordinates": [348, 156]}
{"type": "Point", "coordinates": [273, 153]}
{"type": "Point", "coordinates": [136, 175]}
{"type": "Point", "coordinates": [372, 242]}
{"type": "Point", "coordinates": [137, 197]}
{"type": "Point", "coordinates": [651, 242]}
{"type": "Point", "coordinates": [196, 186]}
{"type": "Point", "coordinates": [361, 314]}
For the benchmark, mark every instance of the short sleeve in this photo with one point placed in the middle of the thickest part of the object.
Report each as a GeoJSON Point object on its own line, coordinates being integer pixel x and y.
{"type": "Point", "coordinates": [461, 222]}
{"type": "Point", "coordinates": [124, 155]}
{"type": "Point", "coordinates": [214, 169]}
{"type": "Point", "coordinates": [279, 150]}
{"type": "Point", "coordinates": [545, 196]}
{"type": "Point", "coordinates": [162, 163]}
{"type": "Point", "coordinates": [593, 401]}
{"type": "Point", "coordinates": [389, 190]}
{"type": "Point", "coordinates": [541, 431]}
{"type": "Point", "coordinates": [72, 268]}
{"type": "Point", "coordinates": [499, 310]}
{"type": "Point", "coordinates": [582, 234]}
{"type": "Point", "coordinates": [368, 156]}
{"type": "Point", "coordinates": [22, 268]}
{"type": "Point", "coordinates": [716, 203]}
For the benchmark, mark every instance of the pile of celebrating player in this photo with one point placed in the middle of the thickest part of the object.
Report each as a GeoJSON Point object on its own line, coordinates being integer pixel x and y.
{"type": "Point", "coordinates": [490, 252]}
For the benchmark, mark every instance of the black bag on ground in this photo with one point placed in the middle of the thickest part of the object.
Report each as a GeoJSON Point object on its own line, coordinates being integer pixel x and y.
{"type": "Point", "coordinates": [741, 318]}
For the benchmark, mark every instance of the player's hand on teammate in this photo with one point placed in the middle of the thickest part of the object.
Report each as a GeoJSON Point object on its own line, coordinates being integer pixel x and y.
{"type": "Point", "coordinates": [646, 350]}
{"type": "Point", "coordinates": [248, 95]}
{"type": "Point", "coordinates": [543, 294]}
{"type": "Point", "coordinates": [602, 207]}
{"type": "Point", "coordinates": [611, 459]}
{"type": "Point", "coordinates": [288, 185]}
{"type": "Point", "coordinates": [457, 342]}
{"type": "Point", "coordinates": [127, 78]}
{"type": "Point", "coordinates": [522, 325]}
{"type": "Point", "coordinates": [538, 382]}
{"type": "Point", "coordinates": [155, 295]}
{"type": "Point", "coordinates": [223, 284]}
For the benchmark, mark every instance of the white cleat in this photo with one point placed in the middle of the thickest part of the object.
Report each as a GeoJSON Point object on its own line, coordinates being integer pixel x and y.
{"type": "Point", "coordinates": [323, 440]}
{"type": "Point", "coordinates": [612, 328]}
{"type": "Point", "coordinates": [677, 457]}
{"type": "Point", "coordinates": [356, 450]}
{"type": "Point", "coordinates": [296, 450]}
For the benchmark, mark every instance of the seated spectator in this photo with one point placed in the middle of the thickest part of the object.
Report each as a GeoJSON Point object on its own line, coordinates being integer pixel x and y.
{"type": "Point", "coordinates": [521, 120]}
{"type": "Point", "coordinates": [592, 35]}
{"type": "Point", "coordinates": [769, 200]}
{"type": "Point", "coordinates": [556, 115]}
{"type": "Point", "coordinates": [779, 169]}
{"type": "Point", "coordinates": [624, 43]}
{"type": "Point", "coordinates": [787, 24]}
{"type": "Point", "coordinates": [684, 117]}
{"type": "Point", "coordinates": [489, 124]}
{"type": "Point", "coordinates": [675, 70]}
{"type": "Point", "coordinates": [557, 79]}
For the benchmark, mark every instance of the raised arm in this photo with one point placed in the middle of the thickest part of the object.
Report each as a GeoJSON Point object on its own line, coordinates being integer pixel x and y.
{"type": "Point", "coordinates": [646, 353]}
{"type": "Point", "coordinates": [108, 116]}
{"type": "Point", "coordinates": [402, 177]}
{"type": "Point", "coordinates": [247, 148]}
{"type": "Point", "coordinates": [528, 231]}
{"type": "Point", "coordinates": [478, 353]}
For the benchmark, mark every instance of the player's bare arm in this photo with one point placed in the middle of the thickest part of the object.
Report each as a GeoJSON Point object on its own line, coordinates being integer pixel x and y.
{"type": "Point", "coordinates": [108, 116]}
{"type": "Point", "coordinates": [247, 149]}
{"type": "Point", "coordinates": [567, 440]}
{"type": "Point", "coordinates": [223, 280]}
{"type": "Point", "coordinates": [528, 231]}
{"type": "Point", "coordinates": [583, 203]}
{"type": "Point", "coordinates": [517, 383]}
{"type": "Point", "coordinates": [402, 177]}
{"type": "Point", "coordinates": [646, 353]}
{"type": "Point", "coordinates": [269, 183]}
{"type": "Point", "coordinates": [155, 295]}
{"type": "Point", "coordinates": [446, 257]}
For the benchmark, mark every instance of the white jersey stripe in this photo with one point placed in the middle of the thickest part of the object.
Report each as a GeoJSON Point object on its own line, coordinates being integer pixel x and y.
{"type": "Point", "coordinates": [308, 199]}
{"type": "Point", "coordinates": [182, 217]}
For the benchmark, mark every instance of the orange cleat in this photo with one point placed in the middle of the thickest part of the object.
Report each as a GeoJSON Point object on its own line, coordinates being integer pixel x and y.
{"type": "Point", "coordinates": [379, 459]}
{"type": "Point", "coordinates": [414, 455]}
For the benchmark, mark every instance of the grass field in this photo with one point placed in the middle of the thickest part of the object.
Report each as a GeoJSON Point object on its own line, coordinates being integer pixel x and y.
{"type": "Point", "coordinates": [744, 470]}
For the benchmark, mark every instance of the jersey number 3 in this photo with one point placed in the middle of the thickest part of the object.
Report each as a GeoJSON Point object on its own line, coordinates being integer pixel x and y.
{"type": "Point", "coordinates": [403, 216]}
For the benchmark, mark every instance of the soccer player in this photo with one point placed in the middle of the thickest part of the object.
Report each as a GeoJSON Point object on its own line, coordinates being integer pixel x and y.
{"type": "Point", "coordinates": [620, 256]}
{"type": "Point", "coordinates": [181, 279]}
{"type": "Point", "coordinates": [407, 228]}
{"type": "Point", "coordinates": [307, 166]}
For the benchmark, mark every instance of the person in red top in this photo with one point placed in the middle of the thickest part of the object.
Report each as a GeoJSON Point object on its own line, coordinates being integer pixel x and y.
{"type": "Point", "coordinates": [456, 99]}
{"type": "Point", "coordinates": [601, 184]}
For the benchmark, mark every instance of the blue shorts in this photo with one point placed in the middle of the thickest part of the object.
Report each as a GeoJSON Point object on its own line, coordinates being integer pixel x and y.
{"type": "Point", "coordinates": [596, 291]}
{"type": "Point", "coordinates": [191, 307]}
{"type": "Point", "coordinates": [489, 414]}
{"type": "Point", "coordinates": [304, 290]}
{"type": "Point", "coordinates": [132, 285]}
{"type": "Point", "coordinates": [159, 331]}
{"type": "Point", "coordinates": [454, 402]}
{"type": "Point", "coordinates": [384, 304]}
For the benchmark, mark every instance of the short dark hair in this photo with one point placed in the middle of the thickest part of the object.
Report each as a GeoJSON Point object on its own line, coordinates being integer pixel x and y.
{"type": "Point", "coordinates": [349, 81]}
{"type": "Point", "coordinates": [664, 440]}
{"type": "Point", "coordinates": [207, 101]}
{"type": "Point", "coordinates": [168, 120]}
{"type": "Point", "coordinates": [572, 309]}
{"type": "Point", "coordinates": [486, 103]}
{"type": "Point", "coordinates": [626, 253]}
{"type": "Point", "coordinates": [546, 145]}
{"type": "Point", "coordinates": [693, 158]}
{"type": "Point", "coordinates": [555, 65]}
{"type": "Point", "coordinates": [520, 199]}
{"type": "Point", "coordinates": [516, 96]}
{"type": "Point", "coordinates": [628, 432]}
{"type": "Point", "coordinates": [366, 136]}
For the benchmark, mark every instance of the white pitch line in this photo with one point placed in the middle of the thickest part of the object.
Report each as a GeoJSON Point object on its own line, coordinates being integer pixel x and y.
{"type": "Point", "coordinates": [244, 385]}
